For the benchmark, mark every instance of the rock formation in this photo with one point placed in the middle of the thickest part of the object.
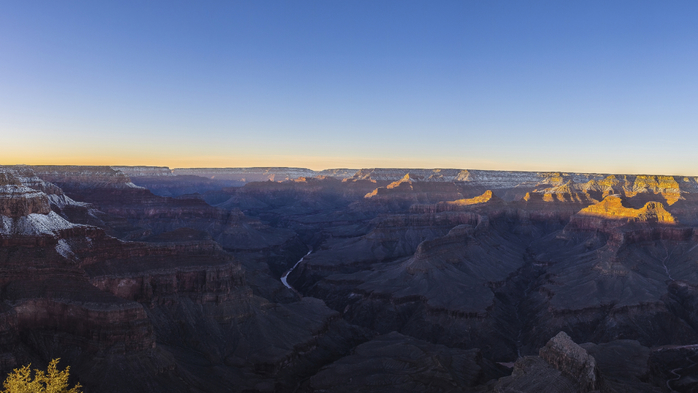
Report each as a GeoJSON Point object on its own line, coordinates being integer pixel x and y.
{"type": "Point", "coordinates": [564, 366]}
{"type": "Point", "coordinates": [612, 208]}
{"type": "Point", "coordinates": [572, 360]}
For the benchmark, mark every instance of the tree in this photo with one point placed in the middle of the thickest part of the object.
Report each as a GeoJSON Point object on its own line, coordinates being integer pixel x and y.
{"type": "Point", "coordinates": [50, 381]}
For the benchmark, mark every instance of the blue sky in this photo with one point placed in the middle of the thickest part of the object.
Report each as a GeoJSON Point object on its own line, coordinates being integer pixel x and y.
{"type": "Point", "coordinates": [604, 86]}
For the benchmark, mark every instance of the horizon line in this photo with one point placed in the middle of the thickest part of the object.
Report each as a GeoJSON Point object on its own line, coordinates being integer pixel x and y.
{"type": "Point", "coordinates": [359, 169]}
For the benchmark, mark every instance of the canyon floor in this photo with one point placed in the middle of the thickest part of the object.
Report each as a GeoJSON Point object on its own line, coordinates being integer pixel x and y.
{"type": "Point", "coordinates": [146, 279]}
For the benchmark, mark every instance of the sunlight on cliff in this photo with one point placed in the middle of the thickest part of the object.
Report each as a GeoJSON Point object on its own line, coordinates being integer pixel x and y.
{"type": "Point", "coordinates": [612, 207]}
{"type": "Point", "coordinates": [485, 197]}
{"type": "Point", "coordinates": [564, 192]}
{"type": "Point", "coordinates": [406, 181]}
{"type": "Point", "coordinates": [664, 185]}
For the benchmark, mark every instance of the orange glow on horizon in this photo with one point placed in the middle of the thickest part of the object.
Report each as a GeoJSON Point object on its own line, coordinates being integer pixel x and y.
{"type": "Point", "coordinates": [310, 162]}
{"type": "Point", "coordinates": [70, 150]}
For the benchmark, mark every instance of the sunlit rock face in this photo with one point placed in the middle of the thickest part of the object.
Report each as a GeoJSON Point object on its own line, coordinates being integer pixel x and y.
{"type": "Point", "coordinates": [612, 208]}
{"type": "Point", "coordinates": [664, 185]}
{"type": "Point", "coordinates": [487, 199]}
{"type": "Point", "coordinates": [487, 196]}
{"type": "Point", "coordinates": [567, 192]}
{"type": "Point", "coordinates": [412, 189]}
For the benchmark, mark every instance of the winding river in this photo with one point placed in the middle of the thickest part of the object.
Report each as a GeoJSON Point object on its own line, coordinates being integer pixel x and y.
{"type": "Point", "coordinates": [285, 276]}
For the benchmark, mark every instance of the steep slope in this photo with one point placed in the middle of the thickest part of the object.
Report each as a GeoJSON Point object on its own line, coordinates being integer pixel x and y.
{"type": "Point", "coordinates": [48, 302]}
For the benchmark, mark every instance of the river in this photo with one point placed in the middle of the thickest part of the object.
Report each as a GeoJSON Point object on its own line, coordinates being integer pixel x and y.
{"type": "Point", "coordinates": [283, 278]}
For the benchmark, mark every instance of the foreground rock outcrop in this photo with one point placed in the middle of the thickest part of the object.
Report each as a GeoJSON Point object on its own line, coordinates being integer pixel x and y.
{"type": "Point", "coordinates": [564, 366]}
{"type": "Point", "coordinates": [572, 360]}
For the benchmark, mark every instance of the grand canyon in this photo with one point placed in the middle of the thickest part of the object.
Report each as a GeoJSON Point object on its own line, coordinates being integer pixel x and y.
{"type": "Point", "coordinates": [151, 279]}
{"type": "Point", "coordinates": [394, 196]}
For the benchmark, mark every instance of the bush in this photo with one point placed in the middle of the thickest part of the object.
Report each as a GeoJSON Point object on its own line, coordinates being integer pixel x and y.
{"type": "Point", "coordinates": [49, 381]}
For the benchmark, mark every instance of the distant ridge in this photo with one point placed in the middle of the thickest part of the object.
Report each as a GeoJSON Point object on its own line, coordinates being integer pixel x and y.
{"type": "Point", "coordinates": [488, 179]}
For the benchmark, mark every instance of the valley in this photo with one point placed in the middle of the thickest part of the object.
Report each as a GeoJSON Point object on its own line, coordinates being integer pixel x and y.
{"type": "Point", "coordinates": [375, 280]}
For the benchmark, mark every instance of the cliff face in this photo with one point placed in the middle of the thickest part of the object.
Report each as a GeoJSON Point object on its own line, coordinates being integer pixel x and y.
{"type": "Point", "coordinates": [83, 176]}
{"type": "Point", "coordinates": [572, 360]}
{"type": "Point", "coordinates": [44, 288]}
{"type": "Point", "coordinates": [19, 201]}
{"type": "Point", "coordinates": [486, 200]}
{"type": "Point", "coordinates": [58, 202]}
{"type": "Point", "coordinates": [26, 214]}
{"type": "Point", "coordinates": [612, 208]}
{"type": "Point", "coordinates": [22, 195]}
{"type": "Point", "coordinates": [566, 193]}
{"type": "Point", "coordinates": [625, 224]}
{"type": "Point", "coordinates": [412, 189]}
{"type": "Point", "coordinates": [664, 185]}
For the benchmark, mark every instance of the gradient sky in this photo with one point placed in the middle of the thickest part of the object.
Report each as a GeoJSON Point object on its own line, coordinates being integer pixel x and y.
{"type": "Point", "coordinates": [595, 86]}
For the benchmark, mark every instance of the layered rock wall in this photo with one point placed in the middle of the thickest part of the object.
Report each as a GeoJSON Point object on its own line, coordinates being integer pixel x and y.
{"type": "Point", "coordinates": [571, 359]}
{"type": "Point", "coordinates": [84, 176]}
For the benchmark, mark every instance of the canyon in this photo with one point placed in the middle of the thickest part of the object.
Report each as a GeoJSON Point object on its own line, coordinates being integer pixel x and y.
{"type": "Point", "coordinates": [150, 279]}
